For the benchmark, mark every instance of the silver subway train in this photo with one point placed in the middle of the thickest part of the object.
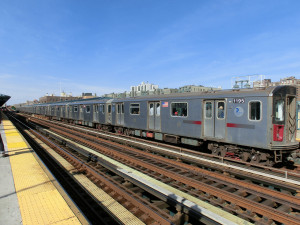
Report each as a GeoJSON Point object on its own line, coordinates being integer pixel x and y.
{"type": "Point", "coordinates": [257, 125]}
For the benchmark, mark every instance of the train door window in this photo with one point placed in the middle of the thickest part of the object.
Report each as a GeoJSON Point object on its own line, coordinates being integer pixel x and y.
{"type": "Point", "coordinates": [279, 110]}
{"type": "Point", "coordinates": [81, 108]}
{"type": "Point", "coordinates": [113, 108]}
{"type": "Point", "coordinates": [134, 109]}
{"type": "Point", "coordinates": [109, 109]}
{"type": "Point", "coordinates": [221, 110]}
{"type": "Point", "coordinates": [208, 110]}
{"type": "Point", "coordinates": [122, 107]}
{"type": "Point", "coordinates": [151, 109]}
{"type": "Point", "coordinates": [255, 110]}
{"type": "Point", "coordinates": [88, 109]}
{"type": "Point", "coordinates": [102, 108]}
{"type": "Point", "coordinates": [158, 109]}
{"type": "Point", "coordinates": [75, 108]}
{"type": "Point", "coordinates": [179, 109]}
{"type": "Point", "coordinates": [96, 108]}
{"type": "Point", "coordinates": [118, 108]}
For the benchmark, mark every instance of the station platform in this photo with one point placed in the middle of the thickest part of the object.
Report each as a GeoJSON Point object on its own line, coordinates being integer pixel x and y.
{"type": "Point", "coordinates": [29, 194]}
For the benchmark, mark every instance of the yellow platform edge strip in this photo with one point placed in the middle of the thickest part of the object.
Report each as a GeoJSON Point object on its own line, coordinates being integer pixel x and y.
{"type": "Point", "coordinates": [39, 200]}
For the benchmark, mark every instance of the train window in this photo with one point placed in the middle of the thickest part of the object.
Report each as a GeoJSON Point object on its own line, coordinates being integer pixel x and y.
{"type": "Point", "coordinates": [221, 112]}
{"type": "Point", "coordinates": [254, 110]}
{"type": "Point", "coordinates": [75, 108]}
{"type": "Point", "coordinates": [122, 108]}
{"type": "Point", "coordinates": [151, 109]}
{"type": "Point", "coordinates": [88, 109]}
{"type": "Point", "coordinates": [102, 108]}
{"type": "Point", "coordinates": [279, 110]}
{"type": "Point", "coordinates": [179, 109]}
{"type": "Point", "coordinates": [109, 109]}
{"type": "Point", "coordinates": [134, 109]}
{"type": "Point", "coordinates": [157, 109]}
{"type": "Point", "coordinates": [208, 110]}
{"type": "Point", "coordinates": [118, 108]}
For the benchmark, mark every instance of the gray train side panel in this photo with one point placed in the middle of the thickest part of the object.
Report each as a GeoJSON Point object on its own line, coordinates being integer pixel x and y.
{"type": "Point", "coordinates": [241, 130]}
{"type": "Point", "coordinates": [136, 121]}
{"type": "Point", "coordinates": [183, 126]}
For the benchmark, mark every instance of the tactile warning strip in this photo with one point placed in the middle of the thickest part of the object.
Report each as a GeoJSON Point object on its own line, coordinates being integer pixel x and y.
{"type": "Point", "coordinates": [39, 200]}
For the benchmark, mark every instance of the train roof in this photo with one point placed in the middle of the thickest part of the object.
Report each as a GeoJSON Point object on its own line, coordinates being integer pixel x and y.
{"type": "Point", "coordinates": [76, 102]}
{"type": "Point", "coordinates": [217, 94]}
{"type": "Point", "coordinates": [234, 93]}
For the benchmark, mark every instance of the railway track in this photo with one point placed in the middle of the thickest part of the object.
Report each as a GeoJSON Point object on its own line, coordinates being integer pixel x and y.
{"type": "Point", "coordinates": [148, 208]}
{"type": "Point", "coordinates": [235, 168]}
{"type": "Point", "coordinates": [247, 200]}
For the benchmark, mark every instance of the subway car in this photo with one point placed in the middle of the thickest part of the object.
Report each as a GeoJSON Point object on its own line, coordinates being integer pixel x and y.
{"type": "Point", "coordinates": [254, 125]}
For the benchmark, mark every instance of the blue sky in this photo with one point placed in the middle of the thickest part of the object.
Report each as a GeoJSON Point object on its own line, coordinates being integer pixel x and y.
{"type": "Point", "coordinates": [104, 46]}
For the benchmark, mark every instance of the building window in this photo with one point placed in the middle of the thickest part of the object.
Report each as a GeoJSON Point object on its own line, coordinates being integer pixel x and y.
{"type": "Point", "coordinates": [179, 109]}
{"type": "Point", "coordinates": [254, 110]}
{"type": "Point", "coordinates": [134, 109]}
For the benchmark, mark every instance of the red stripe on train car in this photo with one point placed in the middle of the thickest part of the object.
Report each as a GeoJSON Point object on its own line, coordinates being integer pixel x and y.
{"type": "Point", "coordinates": [197, 122]}
{"type": "Point", "coordinates": [232, 125]}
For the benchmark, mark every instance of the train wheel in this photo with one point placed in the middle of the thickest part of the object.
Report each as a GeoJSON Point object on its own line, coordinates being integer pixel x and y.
{"type": "Point", "coordinates": [255, 159]}
{"type": "Point", "coordinates": [269, 162]}
{"type": "Point", "coordinates": [245, 156]}
{"type": "Point", "coordinates": [222, 151]}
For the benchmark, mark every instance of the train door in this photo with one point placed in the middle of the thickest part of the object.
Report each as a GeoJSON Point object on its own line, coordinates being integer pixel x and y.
{"type": "Point", "coordinates": [108, 113]}
{"type": "Point", "coordinates": [120, 114]}
{"type": "Point", "coordinates": [298, 115]}
{"type": "Point", "coordinates": [63, 111]}
{"type": "Point", "coordinates": [96, 112]}
{"type": "Point", "coordinates": [291, 119]}
{"type": "Point", "coordinates": [70, 116]}
{"type": "Point", "coordinates": [81, 112]}
{"type": "Point", "coordinates": [154, 119]}
{"type": "Point", "coordinates": [214, 118]}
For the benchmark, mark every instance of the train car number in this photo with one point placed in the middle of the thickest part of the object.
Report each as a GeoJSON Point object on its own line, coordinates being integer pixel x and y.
{"type": "Point", "coordinates": [238, 100]}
